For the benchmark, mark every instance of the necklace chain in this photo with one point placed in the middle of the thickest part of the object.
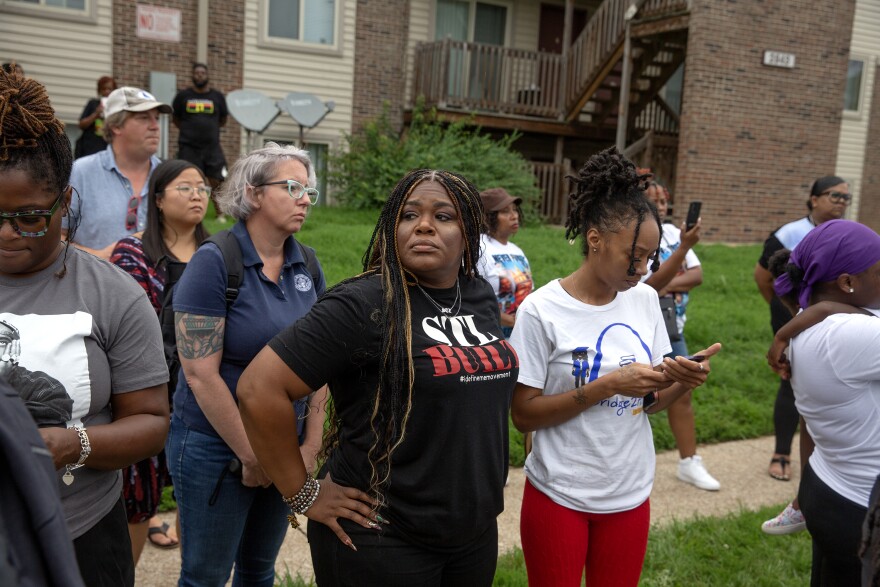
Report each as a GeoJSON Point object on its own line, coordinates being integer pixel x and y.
{"type": "Point", "coordinates": [451, 310]}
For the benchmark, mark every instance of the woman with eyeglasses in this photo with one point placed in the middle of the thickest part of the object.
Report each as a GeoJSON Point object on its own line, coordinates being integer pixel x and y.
{"type": "Point", "coordinates": [81, 322]}
{"type": "Point", "coordinates": [230, 513]}
{"type": "Point", "coordinates": [828, 199]}
{"type": "Point", "coordinates": [177, 199]}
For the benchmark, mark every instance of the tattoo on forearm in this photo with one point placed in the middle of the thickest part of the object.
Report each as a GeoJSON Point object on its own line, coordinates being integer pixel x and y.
{"type": "Point", "coordinates": [580, 396]}
{"type": "Point", "coordinates": [198, 336]}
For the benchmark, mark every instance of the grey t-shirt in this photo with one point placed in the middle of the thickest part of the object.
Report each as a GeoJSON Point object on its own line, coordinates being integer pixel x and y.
{"type": "Point", "coordinates": [95, 332]}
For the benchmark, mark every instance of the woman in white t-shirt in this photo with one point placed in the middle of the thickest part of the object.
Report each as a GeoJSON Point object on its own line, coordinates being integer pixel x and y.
{"type": "Point", "coordinates": [591, 349]}
{"type": "Point", "coordinates": [502, 263]}
{"type": "Point", "coordinates": [680, 271]}
{"type": "Point", "coordinates": [835, 374]}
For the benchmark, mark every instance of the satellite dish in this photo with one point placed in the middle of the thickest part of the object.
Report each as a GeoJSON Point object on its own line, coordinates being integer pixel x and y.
{"type": "Point", "coordinates": [254, 110]}
{"type": "Point", "coordinates": [305, 109]}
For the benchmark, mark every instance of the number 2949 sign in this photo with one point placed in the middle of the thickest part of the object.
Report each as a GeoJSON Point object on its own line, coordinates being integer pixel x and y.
{"type": "Point", "coordinates": [779, 59]}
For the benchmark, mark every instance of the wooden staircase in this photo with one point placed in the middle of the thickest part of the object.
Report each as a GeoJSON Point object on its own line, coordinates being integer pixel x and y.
{"type": "Point", "coordinates": [593, 75]}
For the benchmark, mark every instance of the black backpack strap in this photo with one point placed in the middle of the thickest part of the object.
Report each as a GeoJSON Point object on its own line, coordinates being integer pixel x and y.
{"type": "Point", "coordinates": [311, 259]}
{"type": "Point", "coordinates": [231, 251]}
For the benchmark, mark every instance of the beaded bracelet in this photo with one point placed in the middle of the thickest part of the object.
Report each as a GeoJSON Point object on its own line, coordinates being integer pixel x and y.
{"type": "Point", "coordinates": [303, 500]}
{"type": "Point", "coordinates": [85, 451]}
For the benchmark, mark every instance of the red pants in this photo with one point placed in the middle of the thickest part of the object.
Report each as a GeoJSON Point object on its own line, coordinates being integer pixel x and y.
{"type": "Point", "coordinates": [560, 544]}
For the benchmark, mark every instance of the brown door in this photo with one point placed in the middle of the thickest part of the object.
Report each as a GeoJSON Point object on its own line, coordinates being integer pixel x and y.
{"type": "Point", "coordinates": [552, 25]}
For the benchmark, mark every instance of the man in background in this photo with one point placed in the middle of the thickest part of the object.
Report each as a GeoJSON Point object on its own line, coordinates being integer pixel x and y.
{"type": "Point", "coordinates": [199, 113]}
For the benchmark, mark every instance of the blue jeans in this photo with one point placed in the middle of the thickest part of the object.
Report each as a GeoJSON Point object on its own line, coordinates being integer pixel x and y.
{"type": "Point", "coordinates": [245, 525]}
{"type": "Point", "coordinates": [679, 348]}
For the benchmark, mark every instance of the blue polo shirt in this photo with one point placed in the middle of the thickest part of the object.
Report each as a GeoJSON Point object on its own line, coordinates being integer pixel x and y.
{"type": "Point", "coordinates": [100, 202]}
{"type": "Point", "coordinates": [262, 309]}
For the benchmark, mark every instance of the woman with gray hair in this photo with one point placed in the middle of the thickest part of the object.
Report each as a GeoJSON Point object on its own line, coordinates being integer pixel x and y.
{"type": "Point", "coordinates": [230, 513]}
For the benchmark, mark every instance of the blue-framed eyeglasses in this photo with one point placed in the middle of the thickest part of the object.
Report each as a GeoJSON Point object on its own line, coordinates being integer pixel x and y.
{"type": "Point", "coordinates": [295, 189]}
{"type": "Point", "coordinates": [33, 223]}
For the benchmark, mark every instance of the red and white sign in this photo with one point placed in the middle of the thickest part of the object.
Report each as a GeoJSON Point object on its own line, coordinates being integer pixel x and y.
{"type": "Point", "coordinates": [157, 23]}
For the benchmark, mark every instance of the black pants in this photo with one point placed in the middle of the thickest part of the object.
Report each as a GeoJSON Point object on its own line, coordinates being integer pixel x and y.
{"type": "Point", "coordinates": [785, 417]}
{"type": "Point", "coordinates": [835, 523]}
{"type": "Point", "coordinates": [385, 560]}
{"type": "Point", "coordinates": [104, 552]}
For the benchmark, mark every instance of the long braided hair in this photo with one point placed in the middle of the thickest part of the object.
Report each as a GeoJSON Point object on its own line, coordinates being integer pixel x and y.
{"type": "Point", "coordinates": [32, 138]}
{"type": "Point", "coordinates": [609, 194]}
{"type": "Point", "coordinates": [393, 400]}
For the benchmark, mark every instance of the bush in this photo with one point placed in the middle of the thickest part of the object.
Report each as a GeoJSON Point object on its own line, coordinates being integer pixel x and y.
{"type": "Point", "coordinates": [371, 163]}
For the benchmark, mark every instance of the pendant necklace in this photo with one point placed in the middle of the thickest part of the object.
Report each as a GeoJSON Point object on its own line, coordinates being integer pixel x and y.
{"type": "Point", "coordinates": [451, 310]}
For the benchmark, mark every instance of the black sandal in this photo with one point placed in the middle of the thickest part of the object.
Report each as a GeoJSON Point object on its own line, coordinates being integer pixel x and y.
{"type": "Point", "coordinates": [785, 463]}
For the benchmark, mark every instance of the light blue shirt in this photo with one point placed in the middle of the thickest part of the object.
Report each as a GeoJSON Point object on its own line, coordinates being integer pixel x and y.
{"type": "Point", "coordinates": [100, 202]}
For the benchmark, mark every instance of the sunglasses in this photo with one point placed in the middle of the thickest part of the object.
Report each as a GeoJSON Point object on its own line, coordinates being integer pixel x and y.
{"type": "Point", "coordinates": [131, 215]}
{"type": "Point", "coordinates": [295, 189]}
{"type": "Point", "coordinates": [33, 223]}
{"type": "Point", "coordinates": [837, 197]}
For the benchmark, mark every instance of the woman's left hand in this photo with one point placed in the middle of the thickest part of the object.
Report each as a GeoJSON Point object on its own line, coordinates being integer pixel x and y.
{"type": "Point", "coordinates": [690, 373]}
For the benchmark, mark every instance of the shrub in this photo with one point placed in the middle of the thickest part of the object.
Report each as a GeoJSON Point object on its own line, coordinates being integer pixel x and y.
{"type": "Point", "coordinates": [371, 162]}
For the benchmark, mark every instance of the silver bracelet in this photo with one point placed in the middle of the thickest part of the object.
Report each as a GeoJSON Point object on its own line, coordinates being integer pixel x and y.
{"type": "Point", "coordinates": [85, 451]}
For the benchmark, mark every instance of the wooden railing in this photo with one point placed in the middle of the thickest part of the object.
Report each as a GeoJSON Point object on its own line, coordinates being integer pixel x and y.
{"type": "Point", "coordinates": [475, 76]}
{"type": "Point", "coordinates": [652, 8]}
{"type": "Point", "coordinates": [554, 189]}
{"type": "Point", "coordinates": [657, 116]}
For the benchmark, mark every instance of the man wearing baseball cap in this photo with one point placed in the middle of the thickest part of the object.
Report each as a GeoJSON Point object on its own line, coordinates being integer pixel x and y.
{"type": "Point", "coordinates": [112, 185]}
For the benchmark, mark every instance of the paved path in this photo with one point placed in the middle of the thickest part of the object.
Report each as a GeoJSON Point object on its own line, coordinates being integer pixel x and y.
{"type": "Point", "coordinates": [740, 466]}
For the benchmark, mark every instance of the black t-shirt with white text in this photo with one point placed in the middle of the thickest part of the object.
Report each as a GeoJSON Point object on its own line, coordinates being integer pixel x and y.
{"type": "Point", "coordinates": [447, 476]}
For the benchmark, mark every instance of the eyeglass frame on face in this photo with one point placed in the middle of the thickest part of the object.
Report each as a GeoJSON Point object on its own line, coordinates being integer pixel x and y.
{"type": "Point", "coordinates": [186, 190]}
{"type": "Point", "coordinates": [131, 215]}
{"type": "Point", "coordinates": [45, 214]}
{"type": "Point", "coordinates": [837, 197]}
{"type": "Point", "coordinates": [312, 192]}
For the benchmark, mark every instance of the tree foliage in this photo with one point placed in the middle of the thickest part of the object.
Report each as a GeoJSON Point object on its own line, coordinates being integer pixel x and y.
{"type": "Point", "coordinates": [371, 162]}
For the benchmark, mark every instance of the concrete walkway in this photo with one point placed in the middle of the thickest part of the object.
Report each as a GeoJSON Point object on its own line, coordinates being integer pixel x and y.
{"type": "Point", "coordinates": [740, 466]}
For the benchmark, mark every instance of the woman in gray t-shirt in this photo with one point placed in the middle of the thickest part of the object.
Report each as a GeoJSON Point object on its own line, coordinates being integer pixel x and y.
{"type": "Point", "coordinates": [82, 323]}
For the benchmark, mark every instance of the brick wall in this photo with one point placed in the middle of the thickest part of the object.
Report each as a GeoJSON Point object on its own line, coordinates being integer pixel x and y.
{"type": "Point", "coordinates": [380, 50]}
{"type": "Point", "coordinates": [869, 207]}
{"type": "Point", "coordinates": [135, 58]}
{"type": "Point", "coordinates": [753, 138]}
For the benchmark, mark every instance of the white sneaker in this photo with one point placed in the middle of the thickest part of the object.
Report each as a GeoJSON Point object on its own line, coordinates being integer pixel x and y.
{"type": "Point", "coordinates": [789, 521]}
{"type": "Point", "coordinates": [691, 470]}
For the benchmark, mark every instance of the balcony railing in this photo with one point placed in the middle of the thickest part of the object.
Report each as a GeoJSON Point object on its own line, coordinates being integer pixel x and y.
{"type": "Point", "coordinates": [479, 77]}
{"type": "Point", "coordinates": [554, 189]}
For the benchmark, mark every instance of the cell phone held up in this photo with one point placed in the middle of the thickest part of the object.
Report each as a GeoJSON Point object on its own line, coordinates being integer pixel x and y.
{"type": "Point", "coordinates": [693, 214]}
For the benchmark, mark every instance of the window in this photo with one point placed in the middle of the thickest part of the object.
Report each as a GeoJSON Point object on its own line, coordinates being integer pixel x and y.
{"type": "Point", "coordinates": [80, 10]}
{"type": "Point", "coordinates": [852, 98]}
{"type": "Point", "coordinates": [305, 21]}
{"type": "Point", "coordinates": [464, 20]}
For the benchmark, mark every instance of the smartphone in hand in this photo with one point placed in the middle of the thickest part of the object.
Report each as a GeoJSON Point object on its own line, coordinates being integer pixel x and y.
{"type": "Point", "coordinates": [693, 214]}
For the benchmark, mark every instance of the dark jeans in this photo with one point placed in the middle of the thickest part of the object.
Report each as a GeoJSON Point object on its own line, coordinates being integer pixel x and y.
{"type": "Point", "coordinates": [386, 560]}
{"type": "Point", "coordinates": [104, 551]}
{"type": "Point", "coordinates": [835, 523]}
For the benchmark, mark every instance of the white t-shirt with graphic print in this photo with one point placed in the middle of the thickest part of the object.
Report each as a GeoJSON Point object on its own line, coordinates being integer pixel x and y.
{"type": "Point", "coordinates": [602, 460]}
{"type": "Point", "coordinates": [669, 243]}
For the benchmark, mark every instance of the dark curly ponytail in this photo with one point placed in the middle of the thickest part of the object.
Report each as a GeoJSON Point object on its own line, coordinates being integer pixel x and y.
{"type": "Point", "coordinates": [608, 194]}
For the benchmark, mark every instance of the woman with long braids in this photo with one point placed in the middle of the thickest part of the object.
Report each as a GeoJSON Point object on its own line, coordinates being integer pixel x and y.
{"type": "Point", "coordinates": [591, 349]}
{"type": "Point", "coordinates": [84, 323]}
{"type": "Point", "coordinates": [421, 378]}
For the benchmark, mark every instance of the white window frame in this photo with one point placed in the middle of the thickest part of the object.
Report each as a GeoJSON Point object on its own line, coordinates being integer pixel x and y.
{"type": "Point", "coordinates": [867, 65]}
{"type": "Point", "coordinates": [267, 42]}
{"type": "Point", "coordinates": [88, 15]}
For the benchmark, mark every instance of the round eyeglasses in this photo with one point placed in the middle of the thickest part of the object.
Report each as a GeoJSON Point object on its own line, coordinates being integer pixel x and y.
{"type": "Point", "coordinates": [32, 223]}
{"type": "Point", "coordinates": [295, 189]}
{"type": "Point", "coordinates": [187, 190]}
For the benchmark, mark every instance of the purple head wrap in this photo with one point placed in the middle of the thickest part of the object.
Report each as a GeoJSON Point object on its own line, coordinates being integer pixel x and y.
{"type": "Point", "coordinates": [828, 251]}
